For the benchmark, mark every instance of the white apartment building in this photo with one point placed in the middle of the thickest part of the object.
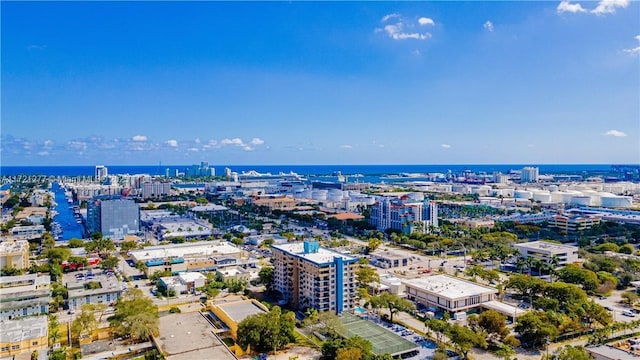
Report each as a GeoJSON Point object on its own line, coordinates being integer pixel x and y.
{"type": "Point", "coordinates": [529, 175]}
{"type": "Point", "coordinates": [24, 295]}
{"type": "Point", "coordinates": [309, 276]}
{"type": "Point", "coordinates": [152, 189]}
{"type": "Point", "coordinates": [544, 251]}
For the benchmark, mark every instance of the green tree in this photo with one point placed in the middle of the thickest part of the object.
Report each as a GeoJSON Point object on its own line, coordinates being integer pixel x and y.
{"type": "Point", "coordinates": [535, 329]}
{"type": "Point", "coordinates": [392, 302]}
{"type": "Point", "coordinates": [54, 330]}
{"type": "Point", "coordinates": [57, 255]}
{"type": "Point", "coordinates": [83, 324]}
{"type": "Point", "coordinates": [110, 262]}
{"type": "Point", "coordinates": [75, 243]}
{"type": "Point", "coordinates": [629, 297]}
{"type": "Point", "coordinates": [569, 352]}
{"type": "Point", "coordinates": [266, 277]}
{"type": "Point", "coordinates": [494, 323]}
{"type": "Point", "coordinates": [505, 352]}
{"type": "Point", "coordinates": [367, 275]}
{"type": "Point", "coordinates": [440, 327]}
{"type": "Point", "coordinates": [463, 339]}
{"type": "Point", "coordinates": [141, 266]}
{"type": "Point", "coordinates": [526, 286]}
{"type": "Point", "coordinates": [128, 246]}
{"type": "Point", "coordinates": [268, 331]}
{"type": "Point", "coordinates": [101, 245]}
{"type": "Point", "coordinates": [235, 286]}
{"type": "Point", "coordinates": [373, 244]}
{"type": "Point", "coordinates": [136, 316]}
{"type": "Point", "coordinates": [58, 354]}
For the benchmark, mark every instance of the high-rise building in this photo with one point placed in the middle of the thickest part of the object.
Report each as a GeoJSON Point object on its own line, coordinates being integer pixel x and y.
{"type": "Point", "coordinates": [101, 172]}
{"type": "Point", "coordinates": [529, 174]}
{"type": "Point", "coordinates": [432, 220]}
{"type": "Point", "coordinates": [309, 276]}
{"type": "Point", "coordinates": [155, 189]}
{"type": "Point", "coordinates": [404, 215]}
{"type": "Point", "coordinates": [113, 216]}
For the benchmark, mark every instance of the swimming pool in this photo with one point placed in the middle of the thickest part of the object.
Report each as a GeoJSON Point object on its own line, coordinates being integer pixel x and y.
{"type": "Point", "coordinates": [359, 310]}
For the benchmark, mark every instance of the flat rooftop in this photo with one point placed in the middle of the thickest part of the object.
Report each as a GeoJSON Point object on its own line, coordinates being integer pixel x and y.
{"type": "Point", "coordinates": [389, 254]}
{"type": "Point", "coordinates": [31, 327]}
{"type": "Point", "coordinates": [546, 246]}
{"type": "Point", "coordinates": [240, 310]}
{"type": "Point", "coordinates": [449, 287]}
{"type": "Point", "coordinates": [190, 336]}
{"type": "Point", "coordinates": [322, 256]}
{"type": "Point", "coordinates": [196, 249]}
{"type": "Point", "coordinates": [503, 308]}
{"type": "Point", "coordinates": [13, 246]}
{"type": "Point", "coordinates": [76, 286]}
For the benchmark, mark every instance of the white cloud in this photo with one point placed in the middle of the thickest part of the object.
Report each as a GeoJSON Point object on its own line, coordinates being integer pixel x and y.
{"type": "Point", "coordinates": [257, 141]}
{"type": "Point", "coordinates": [48, 143]}
{"type": "Point", "coordinates": [426, 21]}
{"type": "Point", "coordinates": [609, 6]}
{"type": "Point", "coordinates": [635, 50]}
{"type": "Point", "coordinates": [43, 153]}
{"type": "Point", "coordinates": [193, 149]}
{"type": "Point", "coordinates": [446, 146]}
{"type": "Point", "coordinates": [488, 25]}
{"type": "Point", "coordinates": [565, 6]}
{"type": "Point", "coordinates": [197, 140]}
{"type": "Point", "coordinates": [396, 33]}
{"type": "Point", "coordinates": [234, 141]}
{"type": "Point", "coordinates": [389, 16]}
{"type": "Point", "coordinates": [213, 142]}
{"type": "Point", "coordinates": [139, 138]}
{"type": "Point", "coordinates": [346, 146]}
{"type": "Point", "coordinates": [615, 133]}
{"type": "Point", "coordinates": [77, 145]}
{"type": "Point", "coordinates": [172, 143]}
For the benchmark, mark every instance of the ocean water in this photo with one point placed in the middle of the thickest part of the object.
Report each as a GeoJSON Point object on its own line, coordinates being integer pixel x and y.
{"type": "Point", "coordinates": [319, 170]}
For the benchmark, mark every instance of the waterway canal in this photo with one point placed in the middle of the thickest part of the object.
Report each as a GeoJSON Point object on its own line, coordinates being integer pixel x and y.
{"type": "Point", "coordinates": [70, 228]}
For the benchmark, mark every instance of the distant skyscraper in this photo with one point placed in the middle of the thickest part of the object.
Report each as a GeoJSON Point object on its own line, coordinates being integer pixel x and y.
{"type": "Point", "coordinates": [529, 175]}
{"type": "Point", "coordinates": [113, 216]}
{"type": "Point", "coordinates": [101, 172]}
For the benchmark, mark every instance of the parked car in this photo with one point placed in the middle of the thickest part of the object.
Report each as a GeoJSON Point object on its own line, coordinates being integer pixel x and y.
{"type": "Point", "coordinates": [628, 313]}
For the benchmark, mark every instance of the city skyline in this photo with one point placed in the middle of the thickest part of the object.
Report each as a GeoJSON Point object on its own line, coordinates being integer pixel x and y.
{"type": "Point", "coordinates": [320, 83]}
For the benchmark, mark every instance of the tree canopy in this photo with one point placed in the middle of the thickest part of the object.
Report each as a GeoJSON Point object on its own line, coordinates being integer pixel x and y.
{"type": "Point", "coordinates": [268, 331]}
{"type": "Point", "coordinates": [136, 316]}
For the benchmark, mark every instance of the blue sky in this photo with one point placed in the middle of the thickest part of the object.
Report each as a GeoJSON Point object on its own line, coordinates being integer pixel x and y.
{"type": "Point", "coordinates": [320, 82]}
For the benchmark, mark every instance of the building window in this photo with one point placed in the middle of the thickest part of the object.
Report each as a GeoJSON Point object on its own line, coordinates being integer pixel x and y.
{"type": "Point", "coordinates": [6, 348]}
{"type": "Point", "coordinates": [34, 343]}
{"type": "Point", "coordinates": [15, 347]}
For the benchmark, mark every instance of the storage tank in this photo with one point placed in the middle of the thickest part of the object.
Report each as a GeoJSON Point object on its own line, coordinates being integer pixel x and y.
{"type": "Point", "coordinates": [616, 201]}
{"type": "Point", "coordinates": [542, 196]}
{"type": "Point", "coordinates": [523, 194]}
{"type": "Point", "coordinates": [583, 200]}
{"type": "Point", "coordinates": [320, 195]}
{"type": "Point", "coordinates": [334, 195]}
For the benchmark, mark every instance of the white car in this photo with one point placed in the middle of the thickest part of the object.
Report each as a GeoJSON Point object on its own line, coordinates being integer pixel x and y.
{"type": "Point", "coordinates": [628, 313]}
